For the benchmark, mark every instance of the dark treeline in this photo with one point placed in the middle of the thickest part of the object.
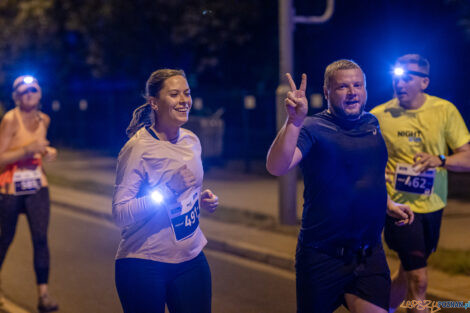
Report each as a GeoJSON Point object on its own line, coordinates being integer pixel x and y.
{"type": "Point", "coordinates": [104, 50]}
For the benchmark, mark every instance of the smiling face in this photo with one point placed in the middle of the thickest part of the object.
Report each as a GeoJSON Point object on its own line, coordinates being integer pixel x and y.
{"type": "Point", "coordinates": [346, 93]}
{"type": "Point", "coordinates": [173, 103]}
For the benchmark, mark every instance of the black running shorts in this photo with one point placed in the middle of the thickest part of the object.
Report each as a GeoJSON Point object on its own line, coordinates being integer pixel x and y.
{"type": "Point", "coordinates": [414, 243]}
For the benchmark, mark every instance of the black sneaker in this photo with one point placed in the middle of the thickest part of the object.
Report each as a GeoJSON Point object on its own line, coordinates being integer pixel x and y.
{"type": "Point", "coordinates": [47, 304]}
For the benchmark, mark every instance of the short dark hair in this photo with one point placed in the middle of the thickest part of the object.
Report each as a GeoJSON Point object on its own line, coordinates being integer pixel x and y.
{"type": "Point", "coordinates": [421, 61]}
{"type": "Point", "coordinates": [339, 65]}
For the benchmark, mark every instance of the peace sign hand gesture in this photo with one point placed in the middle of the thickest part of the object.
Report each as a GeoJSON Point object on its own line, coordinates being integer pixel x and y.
{"type": "Point", "coordinates": [296, 101]}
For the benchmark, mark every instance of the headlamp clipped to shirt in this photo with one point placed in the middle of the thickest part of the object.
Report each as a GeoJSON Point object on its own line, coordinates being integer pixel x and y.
{"type": "Point", "coordinates": [157, 196]}
{"type": "Point", "coordinates": [162, 194]}
{"type": "Point", "coordinates": [399, 72]}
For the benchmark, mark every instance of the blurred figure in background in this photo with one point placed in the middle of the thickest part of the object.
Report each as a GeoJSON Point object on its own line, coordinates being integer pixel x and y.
{"type": "Point", "coordinates": [418, 129]}
{"type": "Point", "coordinates": [23, 183]}
{"type": "Point", "coordinates": [156, 203]}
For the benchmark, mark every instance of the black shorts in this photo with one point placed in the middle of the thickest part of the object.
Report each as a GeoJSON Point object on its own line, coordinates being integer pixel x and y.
{"type": "Point", "coordinates": [322, 280]}
{"type": "Point", "coordinates": [414, 243]}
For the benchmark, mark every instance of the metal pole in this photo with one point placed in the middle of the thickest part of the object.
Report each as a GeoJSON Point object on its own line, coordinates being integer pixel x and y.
{"type": "Point", "coordinates": [288, 182]}
{"type": "Point", "coordinates": [286, 29]}
{"type": "Point", "coordinates": [287, 20]}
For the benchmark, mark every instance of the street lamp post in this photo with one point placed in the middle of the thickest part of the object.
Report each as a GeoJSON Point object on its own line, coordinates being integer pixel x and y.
{"type": "Point", "coordinates": [287, 20]}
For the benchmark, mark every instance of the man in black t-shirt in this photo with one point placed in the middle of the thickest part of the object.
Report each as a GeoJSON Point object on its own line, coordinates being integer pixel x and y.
{"type": "Point", "coordinates": [342, 155]}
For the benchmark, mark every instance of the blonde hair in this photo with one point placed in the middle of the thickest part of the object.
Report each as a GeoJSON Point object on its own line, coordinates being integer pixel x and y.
{"type": "Point", "coordinates": [338, 66]}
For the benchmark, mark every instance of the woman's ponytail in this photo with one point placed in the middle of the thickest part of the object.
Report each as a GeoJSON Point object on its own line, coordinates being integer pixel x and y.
{"type": "Point", "coordinates": [141, 117]}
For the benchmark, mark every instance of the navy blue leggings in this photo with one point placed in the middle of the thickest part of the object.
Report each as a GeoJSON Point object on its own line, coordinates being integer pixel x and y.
{"type": "Point", "coordinates": [37, 209]}
{"type": "Point", "coordinates": [144, 286]}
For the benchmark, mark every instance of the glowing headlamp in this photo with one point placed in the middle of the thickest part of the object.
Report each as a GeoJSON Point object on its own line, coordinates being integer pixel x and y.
{"type": "Point", "coordinates": [400, 72]}
{"type": "Point", "coordinates": [163, 193]}
{"type": "Point", "coordinates": [28, 80]}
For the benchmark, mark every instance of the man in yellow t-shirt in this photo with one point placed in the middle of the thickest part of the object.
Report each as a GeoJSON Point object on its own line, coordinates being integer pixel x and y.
{"type": "Point", "coordinates": [418, 130]}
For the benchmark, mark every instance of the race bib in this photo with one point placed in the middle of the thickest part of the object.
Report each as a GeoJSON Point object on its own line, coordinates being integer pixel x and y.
{"type": "Point", "coordinates": [27, 181]}
{"type": "Point", "coordinates": [185, 217]}
{"type": "Point", "coordinates": [407, 180]}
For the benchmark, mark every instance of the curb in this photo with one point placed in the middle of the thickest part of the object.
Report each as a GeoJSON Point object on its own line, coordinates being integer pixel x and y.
{"type": "Point", "coordinates": [8, 306]}
{"type": "Point", "coordinates": [245, 250]}
{"type": "Point", "coordinates": [252, 252]}
{"type": "Point", "coordinates": [83, 210]}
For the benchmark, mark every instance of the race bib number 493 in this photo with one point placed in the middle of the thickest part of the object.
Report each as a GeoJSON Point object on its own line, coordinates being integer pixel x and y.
{"type": "Point", "coordinates": [185, 218]}
{"type": "Point", "coordinates": [408, 180]}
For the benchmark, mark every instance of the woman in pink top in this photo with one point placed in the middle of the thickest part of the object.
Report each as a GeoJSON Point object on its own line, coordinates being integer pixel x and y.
{"type": "Point", "coordinates": [156, 203]}
{"type": "Point", "coordinates": [23, 184]}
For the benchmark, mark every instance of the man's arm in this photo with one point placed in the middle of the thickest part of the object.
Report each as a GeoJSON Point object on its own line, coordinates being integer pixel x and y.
{"type": "Point", "coordinates": [401, 212]}
{"type": "Point", "coordinates": [457, 162]}
{"type": "Point", "coordinates": [460, 160]}
{"type": "Point", "coordinates": [283, 153]}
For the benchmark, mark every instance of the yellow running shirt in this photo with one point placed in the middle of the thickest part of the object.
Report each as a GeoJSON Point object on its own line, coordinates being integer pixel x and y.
{"type": "Point", "coordinates": [433, 127]}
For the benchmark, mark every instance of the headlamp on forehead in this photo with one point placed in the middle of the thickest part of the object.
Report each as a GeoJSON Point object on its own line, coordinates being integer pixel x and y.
{"type": "Point", "coordinates": [28, 80]}
{"type": "Point", "coordinates": [25, 80]}
{"type": "Point", "coordinates": [400, 72]}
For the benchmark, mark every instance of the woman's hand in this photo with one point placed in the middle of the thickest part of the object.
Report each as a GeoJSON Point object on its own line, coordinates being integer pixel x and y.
{"type": "Point", "coordinates": [209, 201]}
{"type": "Point", "coordinates": [181, 180]}
{"type": "Point", "coordinates": [50, 154]}
{"type": "Point", "coordinates": [37, 146]}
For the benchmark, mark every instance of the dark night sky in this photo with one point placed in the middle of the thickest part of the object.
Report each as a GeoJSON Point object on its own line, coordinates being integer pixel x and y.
{"type": "Point", "coordinates": [371, 32]}
{"type": "Point", "coordinates": [375, 33]}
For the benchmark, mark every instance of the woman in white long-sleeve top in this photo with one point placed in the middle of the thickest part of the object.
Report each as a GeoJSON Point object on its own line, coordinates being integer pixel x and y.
{"type": "Point", "coordinates": [156, 203]}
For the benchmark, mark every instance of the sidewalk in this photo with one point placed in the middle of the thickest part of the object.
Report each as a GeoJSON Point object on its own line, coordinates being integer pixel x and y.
{"type": "Point", "coordinates": [259, 196]}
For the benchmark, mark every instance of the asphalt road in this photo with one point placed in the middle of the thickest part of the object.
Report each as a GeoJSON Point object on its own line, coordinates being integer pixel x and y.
{"type": "Point", "coordinates": [82, 273]}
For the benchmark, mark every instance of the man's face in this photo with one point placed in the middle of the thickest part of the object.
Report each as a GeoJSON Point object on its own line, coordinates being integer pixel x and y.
{"type": "Point", "coordinates": [409, 87]}
{"type": "Point", "coordinates": [347, 94]}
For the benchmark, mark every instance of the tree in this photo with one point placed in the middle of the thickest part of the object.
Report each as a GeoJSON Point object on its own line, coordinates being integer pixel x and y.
{"type": "Point", "coordinates": [119, 38]}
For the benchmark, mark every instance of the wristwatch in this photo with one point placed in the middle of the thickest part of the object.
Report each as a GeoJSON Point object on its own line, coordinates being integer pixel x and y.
{"type": "Point", "coordinates": [443, 160]}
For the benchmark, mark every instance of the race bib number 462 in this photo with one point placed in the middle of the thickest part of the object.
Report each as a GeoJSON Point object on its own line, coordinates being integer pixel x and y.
{"type": "Point", "coordinates": [408, 180]}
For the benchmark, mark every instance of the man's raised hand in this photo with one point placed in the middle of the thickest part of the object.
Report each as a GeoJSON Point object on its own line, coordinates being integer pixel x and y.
{"type": "Point", "coordinates": [296, 101]}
